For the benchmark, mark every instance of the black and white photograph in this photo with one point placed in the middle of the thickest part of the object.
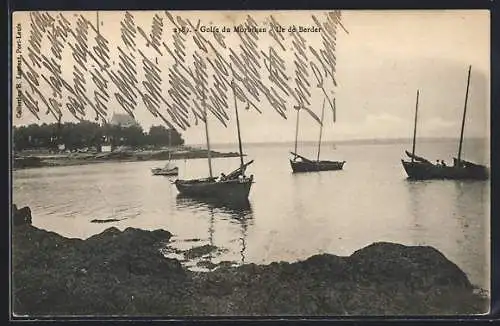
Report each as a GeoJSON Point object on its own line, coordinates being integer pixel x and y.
{"type": "Point", "coordinates": [263, 163]}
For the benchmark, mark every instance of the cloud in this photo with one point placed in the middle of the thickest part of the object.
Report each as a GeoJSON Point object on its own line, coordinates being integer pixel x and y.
{"type": "Point", "coordinates": [438, 127]}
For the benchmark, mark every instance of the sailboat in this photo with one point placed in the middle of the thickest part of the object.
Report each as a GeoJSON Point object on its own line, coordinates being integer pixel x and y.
{"type": "Point", "coordinates": [420, 168]}
{"type": "Point", "coordinates": [233, 187]}
{"type": "Point", "coordinates": [169, 169]}
{"type": "Point", "coordinates": [301, 164]}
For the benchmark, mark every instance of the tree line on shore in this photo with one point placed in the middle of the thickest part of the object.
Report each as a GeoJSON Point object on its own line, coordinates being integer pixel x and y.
{"type": "Point", "coordinates": [85, 134]}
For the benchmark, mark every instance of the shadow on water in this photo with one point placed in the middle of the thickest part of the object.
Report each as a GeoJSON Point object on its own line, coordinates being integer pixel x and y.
{"type": "Point", "coordinates": [238, 213]}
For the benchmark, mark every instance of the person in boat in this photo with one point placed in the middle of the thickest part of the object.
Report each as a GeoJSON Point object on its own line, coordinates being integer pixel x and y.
{"type": "Point", "coordinates": [222, 177]}
{"type": "Point", "coordinates": [443, 163]}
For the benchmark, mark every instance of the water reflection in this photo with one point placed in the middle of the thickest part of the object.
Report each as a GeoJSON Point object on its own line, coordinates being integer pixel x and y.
{"type": "Point", "coordinates": [236, 213]}
{"type": "Point", "coordinates": [236, 209]}
{"type": "Point", "coordinates": [475, 230]}
{"type": "Point", "coordinates": [415, 191]}
{"type": "Point", "coordinates": [296, 195]}
{"type": "Point", "coordinates": [211, 231]}
{"type": "Point", "coordinates": [451, 222]}
{"type": "Point", "coordinates": [430, 210]}
{"type": "Point", "coordinates": [461, 206]}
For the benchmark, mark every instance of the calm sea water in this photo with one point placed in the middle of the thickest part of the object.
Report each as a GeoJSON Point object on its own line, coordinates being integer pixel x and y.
{"type": "Point", "coordinates": [291, 216]}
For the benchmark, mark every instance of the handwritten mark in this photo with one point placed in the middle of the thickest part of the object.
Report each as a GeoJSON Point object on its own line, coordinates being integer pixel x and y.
{"type": "Point", "coordinates": [204, 67]}
{"type": "Point", "coordinates": [128, 31]}
{"type": "Point", "coordinates": [153, 40]}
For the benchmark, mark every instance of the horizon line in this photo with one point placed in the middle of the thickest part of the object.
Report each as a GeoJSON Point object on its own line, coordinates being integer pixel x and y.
{"type": "Point", "coordinates": [352, 140]}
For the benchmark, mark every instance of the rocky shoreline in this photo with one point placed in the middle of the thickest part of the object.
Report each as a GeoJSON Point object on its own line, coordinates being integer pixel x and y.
{"type": "Point", "coordinates": [126, 273]}
{"type": "Point", "coordinates": [25, 160]}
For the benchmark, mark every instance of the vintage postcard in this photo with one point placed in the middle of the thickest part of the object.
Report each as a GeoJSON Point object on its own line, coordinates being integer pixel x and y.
{"type": "Point", "coordinates": [250, 163]}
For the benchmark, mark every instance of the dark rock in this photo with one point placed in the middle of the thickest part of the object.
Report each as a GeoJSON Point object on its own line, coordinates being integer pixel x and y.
{"type": "Point", "coordinates": [21, 216]}
{"type": "Point", "coordinates": [54, 274]}
{"type": "Point", "coordinates": [206, 264]}
{"type": "Point", "coordinates": [131, 251]}
{"type": "Point", "coordinates": [226, 264]}
{"type": "Point", "coordinates": [105, 220]}
{"type": "Point", "coordinates": [123, 273]}
{"type": "Point", "coordinates": [193, 240]}
{"type": "Point", "coordinates": [330, 267]}
{"type": "Point", "coordinates": [419, 267]}
{"type": "Point", "coordinates": [199, 251]}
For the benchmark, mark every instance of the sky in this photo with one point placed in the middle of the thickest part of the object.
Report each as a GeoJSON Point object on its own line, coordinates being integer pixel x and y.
{"type": "Point", "coordinates": [380, 63]}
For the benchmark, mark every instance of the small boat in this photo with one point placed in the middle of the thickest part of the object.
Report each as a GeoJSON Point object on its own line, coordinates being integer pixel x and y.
{"type": "Point", "coordinates": [233, 187]}
{"type": "Point", "coordinates": [301, 164]}
{"type": "Point", "coordinates": [167, 170]}
{"type": "Point", "coordinates": [419, 168]}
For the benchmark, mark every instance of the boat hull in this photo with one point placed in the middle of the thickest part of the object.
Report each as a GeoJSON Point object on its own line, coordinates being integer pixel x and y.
{"type": "Point", "coordinates": [220, 191]}
{"type": "Point", "coordinates": [427, 171]}
{"type": "Point", "coordinates": [315, 166]}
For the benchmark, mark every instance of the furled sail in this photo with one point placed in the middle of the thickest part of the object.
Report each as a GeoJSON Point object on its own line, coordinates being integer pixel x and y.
{"type": "Point", "coordinates": [465, 164]}
{"type": "Point", "coordinates": [239, 171]}
{"type": "Point", "coordinates": [302, 157]}
{"type": "Point", "coordinates": [417, 158]}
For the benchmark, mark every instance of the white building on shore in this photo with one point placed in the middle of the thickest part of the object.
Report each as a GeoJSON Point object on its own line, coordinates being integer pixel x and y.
{"type": "Point", "coordinates": [123, 120]}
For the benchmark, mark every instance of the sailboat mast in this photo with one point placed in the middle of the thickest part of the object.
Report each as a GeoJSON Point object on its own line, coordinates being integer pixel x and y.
{"type": "Point", "coordinates": [209, 153]}
{"type": "Point", "coordinates": [297, 129]}
{"type": "Point", "coordinates": [321, 128]}
{"type": "Point", "coordinates": [415, 127]}
{"type": "Point", "coordinates": [238, 126]}
{"type": "Point", "coordinates": [97, 16]}
{"type": "Point", "coordinates": [463, 118]}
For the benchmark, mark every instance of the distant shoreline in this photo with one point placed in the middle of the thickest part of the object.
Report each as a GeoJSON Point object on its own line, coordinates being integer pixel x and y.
{"type": "Point", "coordinates": [30, 159]}
{"type": "Point", "coordinates": [363, 141]}
{"type": "Point", "coordinates": [34, 159]}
